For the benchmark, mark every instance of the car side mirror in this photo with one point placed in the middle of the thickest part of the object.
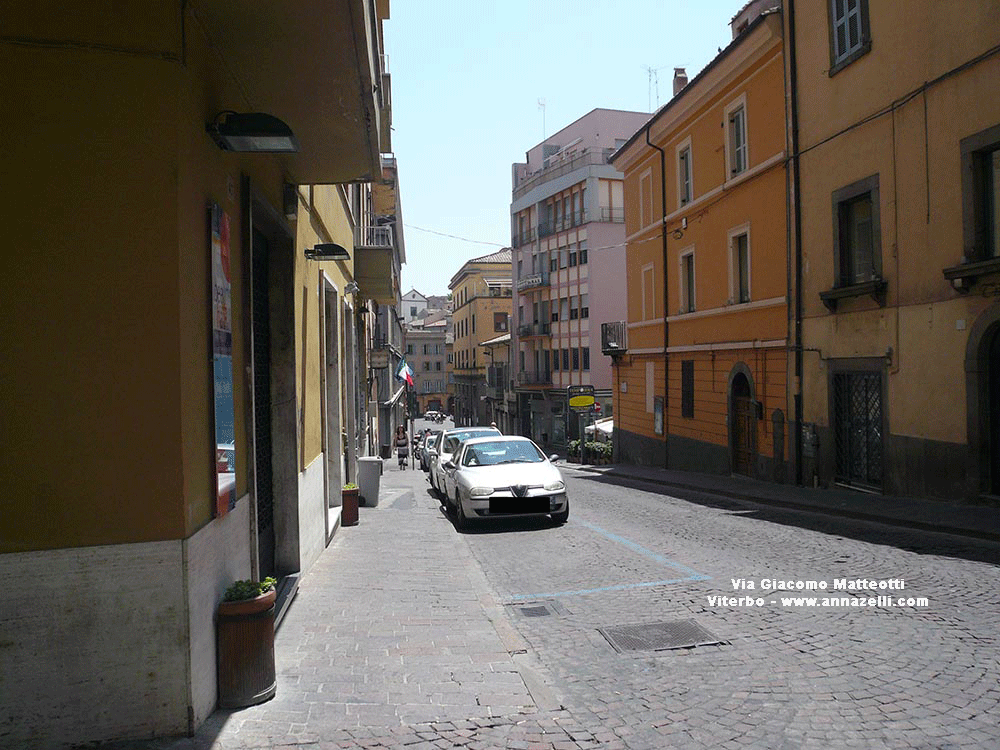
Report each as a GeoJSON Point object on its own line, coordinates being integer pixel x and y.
{"type": "Point", "coordinates": [554, 457]}
{"type": "Point", "coordinates": [449, 464]}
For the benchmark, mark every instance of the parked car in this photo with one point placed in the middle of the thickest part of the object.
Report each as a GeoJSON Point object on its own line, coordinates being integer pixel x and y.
{"type": "Point", "coordinates": [426, 448]}
{"type": "Point", "coordinates": [431, 415]}
{"type": "Point", "coordinates": [449, 440]}
{"type": "Point", "coordinates": [504, 476]}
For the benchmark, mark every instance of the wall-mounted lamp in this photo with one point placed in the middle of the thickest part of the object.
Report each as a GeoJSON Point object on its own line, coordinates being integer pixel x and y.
{"type": "Point", "coordinates": [352, 288]}
{"type": "Point", "coordinates": [252, 132]}
{"type": "Point", "coordinates": [290, 200]}
{"type": "Point", "coordinates": [677, 234]}
{"type": "Point", "coordinates": [327, 251]}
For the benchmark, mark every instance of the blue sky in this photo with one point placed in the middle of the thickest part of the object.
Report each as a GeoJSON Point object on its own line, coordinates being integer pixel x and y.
{"type": "Point", "coordinates": [466, 81]}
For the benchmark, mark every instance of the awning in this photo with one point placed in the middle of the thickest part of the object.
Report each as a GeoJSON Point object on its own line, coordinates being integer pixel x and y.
{"type": "Point", "coordinates": [605, 426]}
{"type": "Point", "coordinates": [395, 396]}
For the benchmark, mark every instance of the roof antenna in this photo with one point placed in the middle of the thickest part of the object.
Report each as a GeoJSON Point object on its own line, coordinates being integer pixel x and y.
{"type": "Point", "coordinates": [541, 106]}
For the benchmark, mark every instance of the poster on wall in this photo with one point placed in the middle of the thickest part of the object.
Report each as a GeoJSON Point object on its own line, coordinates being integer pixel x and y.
{"type": "Point", "coordinates": [222, 365]}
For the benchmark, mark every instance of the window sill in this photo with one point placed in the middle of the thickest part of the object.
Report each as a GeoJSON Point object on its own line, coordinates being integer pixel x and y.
{"type": "Point", "coordinates": [964, 275]}
{"type": "Point", "coordinates": [860, 52]}
{"type": "Point", "coordinates": [874, 288]}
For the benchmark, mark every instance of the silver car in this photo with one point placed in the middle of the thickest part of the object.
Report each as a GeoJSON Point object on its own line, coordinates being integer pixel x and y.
{"type": "Point", "coordinates": [446, 444]}
{"type": "Point", "coordinates": [504, 476]}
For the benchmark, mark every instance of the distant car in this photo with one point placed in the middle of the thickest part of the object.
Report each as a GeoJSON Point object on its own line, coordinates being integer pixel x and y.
{"type": "Point", "coordinates": [449, 440]}
{"type": "Point", "coordinates": [426, 448]}
{"type": "Point", "coordinates": [504, 476]}
{"type": "Point", "coordinates": [431, 415]}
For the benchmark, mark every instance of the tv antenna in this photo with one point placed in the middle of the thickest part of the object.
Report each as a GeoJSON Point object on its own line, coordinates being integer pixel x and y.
{"type": "Point", "coordinates": [541, 106]}
{"type": "Point", "coordinates": [653, 75]}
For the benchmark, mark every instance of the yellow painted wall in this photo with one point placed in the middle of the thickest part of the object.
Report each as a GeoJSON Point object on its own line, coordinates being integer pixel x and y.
{"type": "Point", "coordinates": [915, 150]}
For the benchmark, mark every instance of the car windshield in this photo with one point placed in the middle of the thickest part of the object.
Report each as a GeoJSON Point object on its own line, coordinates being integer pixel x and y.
{"type": "Point", "coordinates": [502, 452]}
{"type": "Point", "coordinates": [457, 438]}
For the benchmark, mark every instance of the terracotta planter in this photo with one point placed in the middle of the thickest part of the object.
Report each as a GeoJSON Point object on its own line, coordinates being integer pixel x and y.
{"type": "Point", "coordinates": [245, 646]}
{"type": "Point", "coordinates": [349, 507]}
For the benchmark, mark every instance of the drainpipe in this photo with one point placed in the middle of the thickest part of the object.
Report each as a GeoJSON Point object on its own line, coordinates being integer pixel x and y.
{"type": "Point", "coordinates": [666, 339]}
{"type": "Point", "coordinates": [797, 223]}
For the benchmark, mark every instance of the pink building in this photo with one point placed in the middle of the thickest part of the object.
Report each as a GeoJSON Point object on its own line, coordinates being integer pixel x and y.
{"type": "Point", "coordinates": [568, 237]}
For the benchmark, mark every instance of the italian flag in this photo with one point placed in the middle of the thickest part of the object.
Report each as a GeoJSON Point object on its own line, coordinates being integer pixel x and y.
{"type": "Point", "coordinates": [405, 372]}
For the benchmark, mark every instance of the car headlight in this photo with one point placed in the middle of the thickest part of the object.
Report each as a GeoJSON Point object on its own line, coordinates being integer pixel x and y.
{"type": "Point", "coordinates": [554, 487]}
{"type": "Point", "coordinates": [480, 492]}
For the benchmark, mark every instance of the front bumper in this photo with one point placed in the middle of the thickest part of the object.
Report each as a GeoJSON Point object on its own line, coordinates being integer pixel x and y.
{"type": "Point", "coordinates": [506, 505]}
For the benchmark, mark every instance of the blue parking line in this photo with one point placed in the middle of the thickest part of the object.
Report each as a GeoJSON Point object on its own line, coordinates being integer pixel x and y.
{"type": "Point", "coordinates": [690, 574]}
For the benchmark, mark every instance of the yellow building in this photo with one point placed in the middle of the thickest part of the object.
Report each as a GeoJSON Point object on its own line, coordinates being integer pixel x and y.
{"type": "Point", "coordinates": [701, 374]}
{"type": "Point", "coordinates": [897, 129]}
{"type": "Point", "coordinates": [481, 304]}
{"type": "Point", "coordinates": [185, 265]}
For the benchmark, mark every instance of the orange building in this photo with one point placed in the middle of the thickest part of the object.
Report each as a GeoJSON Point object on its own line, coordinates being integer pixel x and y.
{"type": "Point", "coordinates": [701, 375]}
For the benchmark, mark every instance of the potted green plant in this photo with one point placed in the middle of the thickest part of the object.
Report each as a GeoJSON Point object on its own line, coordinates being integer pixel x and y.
{"type": "Point", "coordinates": [349, 505]}
{"type": "Point", "coordinates": [245, 643]}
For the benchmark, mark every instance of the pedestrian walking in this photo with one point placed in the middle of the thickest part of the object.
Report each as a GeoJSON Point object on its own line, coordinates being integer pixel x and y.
{"type": "Point", "coordinates": [402, 446]}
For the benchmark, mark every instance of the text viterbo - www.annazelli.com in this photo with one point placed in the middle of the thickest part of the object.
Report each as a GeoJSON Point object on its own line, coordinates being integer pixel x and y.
{"type": "Point", "coordinates": [856, 592]}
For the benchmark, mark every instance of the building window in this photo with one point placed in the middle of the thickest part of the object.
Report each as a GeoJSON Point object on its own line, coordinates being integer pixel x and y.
{"type": "Point", "coordinates": [409, 349]}
{"type": "Point", "coordinates": [736, 137]}
{"type": "Point", "coordinates": [583, 253]}
{"type": "Point", "coordinates": [500, 322]}
{"type": "Point", "coordinates": [572, 256]}
{"type": "Point", "coordinates": [574, 310]}
{"type": "Point", "coordinates": [576, 358]}
{"type": "Point", "coordinates": [739, 266]}
{"type": "Point", "coordinates": [687, 388]}
{"type": "Point", "coordinates": [565, 359]}
{"type": "Point", "coordinates": [563, 257]}
{"type": "Point", "coordinates": [850, 34]}
{"type": "Point", "coordinates": [427, 366]}
{"type": "Point", "coordinates": [648, 293]}
{"type": "Point", "coordinates": [585, 356]}
{"type": "Point", "coordinates": [658, 415]}
{"type": "Point", "coordinates": [584, 309]}
{"type": "Point", "coordinates": [687, 282]}
{"type": "Point", "coordinates": [685, 189]}
{"type": "Point", "coordinates": [555, 359]}
{"type": "Point", "coordinates": [437, 365]}
{"type": "Point", "coordinates": [413, 312]}
{"type": "Point", "coordinates": [856, 232]}
{"type": "Point", "coordinates": [981, 195]}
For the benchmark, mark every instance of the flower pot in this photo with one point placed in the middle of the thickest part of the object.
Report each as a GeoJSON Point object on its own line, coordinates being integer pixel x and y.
{"type": "Point", "coordinates": [349, 507]}
{"type": "Point", "coordinates": [245, 646]}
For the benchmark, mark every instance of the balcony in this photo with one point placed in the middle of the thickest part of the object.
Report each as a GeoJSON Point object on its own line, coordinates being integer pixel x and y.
{"type": "Point", "coordinates": [523, 238]}
{"type": "Point", "coordinates": [560, 164]}
{"type": "Point", "coordinates": [535, 329]}
{"type": "Point", "coordinates": [534, 281]}
{"type": "Point", "coordinates": [534, 377]}
{"type": "Point", "coordinates": [377, 237]}
{"type": "Point", "coordinates": [574, 219]}
{"type": "Point", "coordinates": [613, 215]}
{"type": "Point", "coordinates": [614, 338]}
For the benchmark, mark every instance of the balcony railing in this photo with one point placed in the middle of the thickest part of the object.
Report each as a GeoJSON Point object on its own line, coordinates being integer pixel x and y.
{"type": "Point", "coordinates": [535, 329]}
{"type": "Point", "coordinates": [560, 164]}
{"type": "Point", "coordinates": [523, 238]}
{"type": "Point", "coordinates": [613, 215]}
{"type": "Point", "coordinates": [614, 338]}
{"type": "Point", "coordinates": [534, 377]}
{"type": "Point", "coordinates": [573, 219]}
{"type": "Point", "coordinates": [540, 279]}
{"type": "Point", "coordinates": [373, 236]}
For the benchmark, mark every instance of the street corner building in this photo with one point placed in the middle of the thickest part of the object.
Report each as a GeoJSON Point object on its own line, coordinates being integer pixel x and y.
{"type": "Point", "coordinates": [202, 232]}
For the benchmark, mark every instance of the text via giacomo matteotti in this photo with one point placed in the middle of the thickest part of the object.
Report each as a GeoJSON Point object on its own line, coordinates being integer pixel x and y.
{"type": "Point", "coordinates": [881, 593]}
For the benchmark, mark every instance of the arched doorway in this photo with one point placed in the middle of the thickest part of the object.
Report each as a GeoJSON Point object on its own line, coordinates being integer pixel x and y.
{"type": "Point", "coordinates": [743, 417]}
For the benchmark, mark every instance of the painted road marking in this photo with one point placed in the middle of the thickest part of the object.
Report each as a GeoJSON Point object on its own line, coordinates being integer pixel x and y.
{"type": "Point", "coordinates": [689, 573]}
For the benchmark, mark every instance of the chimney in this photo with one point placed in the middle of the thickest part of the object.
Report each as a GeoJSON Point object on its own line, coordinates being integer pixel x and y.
{"type": "Point", "coordinates": [680, 80]}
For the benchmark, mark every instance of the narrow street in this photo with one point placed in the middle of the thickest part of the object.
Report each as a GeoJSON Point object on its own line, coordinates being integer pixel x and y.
{"type": "Point", "coordinates": [409, 634]}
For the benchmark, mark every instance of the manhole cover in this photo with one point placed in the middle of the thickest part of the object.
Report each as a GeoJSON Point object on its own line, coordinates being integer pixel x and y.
{"type": "Point", "coordinates": [659, 636]}
{"type": "Point", "coordinates": [534, 611]}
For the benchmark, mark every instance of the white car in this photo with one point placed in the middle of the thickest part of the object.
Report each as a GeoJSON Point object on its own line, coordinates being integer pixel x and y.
{"type": "Point", "coordinates": [446, 444]}
{"type": "Point", "coordinates": [504, 476]}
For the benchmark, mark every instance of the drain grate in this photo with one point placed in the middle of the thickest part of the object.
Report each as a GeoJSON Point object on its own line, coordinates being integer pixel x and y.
{"type": "Point", "coordinates": [659, 636]}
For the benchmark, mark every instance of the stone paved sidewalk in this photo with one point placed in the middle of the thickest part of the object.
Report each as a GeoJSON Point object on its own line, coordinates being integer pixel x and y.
{"type": "Point", "coordinates": [395, 640]}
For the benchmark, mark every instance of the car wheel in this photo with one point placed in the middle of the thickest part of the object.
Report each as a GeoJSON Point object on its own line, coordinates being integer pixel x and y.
{"type": "Point", "coordinates": [562, 516]}
{"type": "Point", "coordinates": [461, 520]}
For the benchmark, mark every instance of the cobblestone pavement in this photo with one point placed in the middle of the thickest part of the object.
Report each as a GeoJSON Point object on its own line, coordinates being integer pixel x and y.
{"type": "Point", "coordinates": [408, 634]}
{"type": "Point", "coordinates": [784, 676]}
